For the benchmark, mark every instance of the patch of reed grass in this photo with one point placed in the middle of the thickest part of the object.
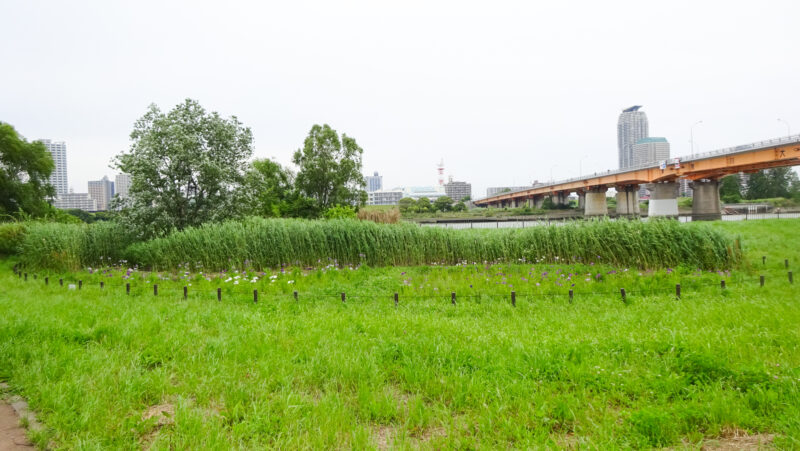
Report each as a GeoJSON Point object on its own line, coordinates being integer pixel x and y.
{"type": "Point", "coordinates": [270, 243]}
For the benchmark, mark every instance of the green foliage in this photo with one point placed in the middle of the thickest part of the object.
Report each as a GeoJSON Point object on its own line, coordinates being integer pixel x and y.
{"type": "Point", "coordinates": [186, 167]}
{"type": "Point", "coordinates": [777, 182]}
{"type": "Point", "coordinates": [443, 203]}
{"type": "Point", "coordinates": [685, 202]}
{"type": "Point", "coordinates": [11, 235]}
{"type": "Point", "coordinates": [730, 190]}
{"type": "Point", "coordinates": [460, 206]}
{"type": "Point", "coordinates": [330, 169]}
{"type": "Point", "coordinates": [72, 246]}
{"type": "Point", "coordinates": [267, 189]}
{"type": "Point", "coordinates": [340, 212]}
{"type": "Point", "coordinates": [424, 205]}
{"type": "Point", "coordinates": [24, 172]}
{"type": "Point", "coordinates": [407, 205]}
{"type": "Point", "coordinates": [272, 243]}
{"type": "Point", "coordinates": [316, 373]}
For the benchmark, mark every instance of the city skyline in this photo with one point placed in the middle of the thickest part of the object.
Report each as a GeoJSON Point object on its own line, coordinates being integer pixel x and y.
{"type": "Point", "coordinates": [502, 93]}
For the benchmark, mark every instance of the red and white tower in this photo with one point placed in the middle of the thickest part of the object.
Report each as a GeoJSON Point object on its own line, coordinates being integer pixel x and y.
{"type": "Point", "coordinates": [441, 172]}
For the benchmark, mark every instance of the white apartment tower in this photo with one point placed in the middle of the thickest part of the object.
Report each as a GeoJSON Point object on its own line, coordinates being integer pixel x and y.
{"type": "Point", "coordinates": [632, 126]}
{"type": "Point", "coordinates": [122, 184]}
{"type": "Point", "coordinates": [58, 150]}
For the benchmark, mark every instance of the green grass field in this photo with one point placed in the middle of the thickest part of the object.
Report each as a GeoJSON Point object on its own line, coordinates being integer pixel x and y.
{"type": "Point", "coordinates": [108, 370]}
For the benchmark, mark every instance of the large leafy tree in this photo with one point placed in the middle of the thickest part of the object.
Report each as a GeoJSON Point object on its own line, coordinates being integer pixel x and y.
{"type": "Point", "coordinates": [730, 189]}
{"type": "Point", "coordinates": [186, 167]}
{"type": "Point", "coordinates": [771, 183]}
{"type": "Point", "coordinates": [330, 169]}
{"type": "Point", "coordinates": [267, 189]}
{"type": "Point", "coordinates": [25, 168]}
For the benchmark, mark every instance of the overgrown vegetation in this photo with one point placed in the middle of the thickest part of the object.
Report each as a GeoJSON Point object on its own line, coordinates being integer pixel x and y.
{"type": "Point", "coordinates": [106, 370]}
{"type": "Point", "coordinates": [271, 243]}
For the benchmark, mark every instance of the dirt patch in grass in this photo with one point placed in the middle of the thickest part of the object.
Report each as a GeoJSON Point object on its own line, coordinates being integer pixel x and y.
{"type": "Point", "coordinates": [737, 439]}
{"type": "Point", "coordinates": [164, 415]}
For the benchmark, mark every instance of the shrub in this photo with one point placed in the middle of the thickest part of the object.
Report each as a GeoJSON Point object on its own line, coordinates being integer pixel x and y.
{"type": "Point", "coordinates": [11, 235]}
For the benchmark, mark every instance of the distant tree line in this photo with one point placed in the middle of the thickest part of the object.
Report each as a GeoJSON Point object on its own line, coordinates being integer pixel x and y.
{"type": "Point", "coordinates": [766, 184]}
{"type": "Point", "coordinates": [424, 205]}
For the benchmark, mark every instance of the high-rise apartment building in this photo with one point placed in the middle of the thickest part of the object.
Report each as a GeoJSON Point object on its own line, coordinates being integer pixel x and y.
{"type": "Point", "coordinates": [458, 190]}
{"type": "Point", "coordinates": [102, 191]}
{"type": "Point", "coordinates": [58, 150]}
{"type": "Point", "coordinates": [122, 183]}
{"type": "Point", "coordinates": [631, 127]}
{"type": "Point", "coordinates": [374, 182]}
{"type": "Point", "coordinates": [650, 150]}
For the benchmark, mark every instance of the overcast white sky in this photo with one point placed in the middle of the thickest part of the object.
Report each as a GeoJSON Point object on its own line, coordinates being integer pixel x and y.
{"type": "Point", "coordinates": [505, 92]}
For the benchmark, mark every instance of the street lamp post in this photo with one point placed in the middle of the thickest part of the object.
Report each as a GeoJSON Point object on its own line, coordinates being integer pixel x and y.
{"type": "Point", "coordinates": [788, 128]}
{"type": "Point", "coordinates": [691, 134]}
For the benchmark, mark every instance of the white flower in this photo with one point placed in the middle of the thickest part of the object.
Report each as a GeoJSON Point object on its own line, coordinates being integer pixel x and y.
{"type": "Point", "coordinates": [291, 281]}
{"type": "Point", "coordinates": [236, 282]}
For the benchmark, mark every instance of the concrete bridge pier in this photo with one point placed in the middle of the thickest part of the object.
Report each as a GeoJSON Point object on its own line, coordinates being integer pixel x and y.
{"type": "Point", "coordinates": [628, 200]}
{"type": "Point", "coordinates": [663, 200]}
{"type": "Point", "coordinates": [581, 199]}
{"type": "Point", "coordinates": [538, 201]}
{"type": "Point", "coordinates": [595, 200]}
{"type": "Point", "coordinates": [705, 200]}
{"type": "Point", "coordinates": [561, 198]}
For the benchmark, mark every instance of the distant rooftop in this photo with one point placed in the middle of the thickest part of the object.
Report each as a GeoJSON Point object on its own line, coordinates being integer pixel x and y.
{"type": "Point", "coordinates": [652, 139]}
{"type": "Point", "coordinates": [633, 108]}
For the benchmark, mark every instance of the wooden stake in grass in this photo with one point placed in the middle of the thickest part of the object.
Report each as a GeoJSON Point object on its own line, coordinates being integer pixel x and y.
{"type": "Point", "coordinates": [80, 284]}
{"type": "Point", "coordinates": [219, 294]}
{"type": "Point", "coordinates": [722, 284]}
{"type": "Point", "coordinates": [185, 293]}
{"type": "Point", "coordinates": [155, 289]}
{"type": "Point", "coordinates": [571, 295]}
{"type": "Point", "coordinates": [61, 282]}
{"type": "Point", "coordinates": [763, 259]}
{"type": "Point", "coordinates": [343, 297]}
{"type": "Point", "coordinates": [395, 300]}
{"type": "Point", "coordinates": [761, 280]}
{"type": "Point", "coordinates": [513, 298]}
{"type": "Point", "coordinates": [46, 280]}
{"type": "Point", "coordinates": [255, 296]}
{"type": "Point", "coordinates": [678, 291]}
{"type": "Point", "coordinates": [127, 288]}
{"type": "Point", "coordinates": [453, 297]}
{"type": "Point", "coordinates": [622, 293]}
{"type": "Point", "coordinates": [295, 296]}
{"type": "Point", "coordinates": [102, 284]}
{"type": "Point", "coordinates": [790, 277]}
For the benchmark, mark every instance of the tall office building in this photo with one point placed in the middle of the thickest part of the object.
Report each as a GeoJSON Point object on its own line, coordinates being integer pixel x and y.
{"type": "Point", "coordinates": [102, 191]}
{"type": "Point", "coordinates": [58, 150]}
{"type": "Point", "coordinates": [122, 183]}
{"type": "Point", "coordinates": [650, 150]}
{"type": "Point", "coordinates": [631, 127]}
{"type": "Point", "coordinates": [374, 182]}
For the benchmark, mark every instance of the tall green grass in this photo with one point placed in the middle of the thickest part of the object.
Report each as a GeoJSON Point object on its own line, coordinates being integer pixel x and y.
{"type": "Point", "coordinates": [72, 246]}
{"type": "Point", "coordinates": [11, 235]}
{"type": "Point", "coordinates": [265, 243]}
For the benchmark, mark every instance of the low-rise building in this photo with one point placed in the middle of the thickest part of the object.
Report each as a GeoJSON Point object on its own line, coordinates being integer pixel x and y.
{"type": "Point", "coordinates": [80, 201]}
{"type": "Point", "coordinates": [384, 197]}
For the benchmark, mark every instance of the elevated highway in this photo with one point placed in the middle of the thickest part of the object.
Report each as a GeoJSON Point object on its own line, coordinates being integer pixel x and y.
{"type": "Point", "coordinates": [703, 170]}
